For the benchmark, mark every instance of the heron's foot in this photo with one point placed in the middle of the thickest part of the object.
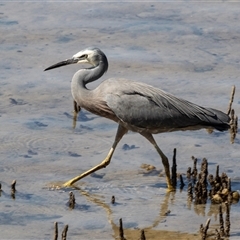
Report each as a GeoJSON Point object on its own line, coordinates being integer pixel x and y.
{"type": "Point", "coordinates": [68, 183]}
{"type": "Point", "coordinates": [171, 188]}
{"type": "Point", "coordinates": [71, 181]}
{"type": "Point", "coordinates": [103, 164]}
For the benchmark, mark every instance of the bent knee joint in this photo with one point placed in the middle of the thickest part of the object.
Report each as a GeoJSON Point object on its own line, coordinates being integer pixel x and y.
{"type": "Point", "coordinates": [105, 163]}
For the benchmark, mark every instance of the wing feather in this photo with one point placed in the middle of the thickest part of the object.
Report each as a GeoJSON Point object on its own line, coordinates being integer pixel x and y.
{"type": "Point", "coordinates": [143, 106]}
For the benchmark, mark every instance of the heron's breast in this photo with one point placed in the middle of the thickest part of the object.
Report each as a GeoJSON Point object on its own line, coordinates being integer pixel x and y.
{"type": "Point", "coordinates": [101, 109]}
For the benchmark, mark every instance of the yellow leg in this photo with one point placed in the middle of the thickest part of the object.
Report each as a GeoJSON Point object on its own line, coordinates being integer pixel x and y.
{"type": "Point", "coordinates": [120, 132]}
{"type": "Point", "coordinates": [165, 162]}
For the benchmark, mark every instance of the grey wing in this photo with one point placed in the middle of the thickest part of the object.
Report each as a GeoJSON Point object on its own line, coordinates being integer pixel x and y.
{"type": "Point", "coordinates": [146, 107]}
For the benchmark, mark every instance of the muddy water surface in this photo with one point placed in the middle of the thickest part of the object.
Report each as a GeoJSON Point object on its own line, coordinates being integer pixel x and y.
{"type": "Point", "coordinates": [188, 49]}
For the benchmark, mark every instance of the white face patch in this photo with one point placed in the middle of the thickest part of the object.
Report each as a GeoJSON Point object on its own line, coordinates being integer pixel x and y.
{"type": "Point", "coordinates": [83, 52]}
{"type": "Point", "coordinates": [89, 52]}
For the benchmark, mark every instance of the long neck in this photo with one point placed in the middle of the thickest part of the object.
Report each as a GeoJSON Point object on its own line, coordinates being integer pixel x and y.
{"type": "Point", "coordinates": [87, 75]}
{"type": "Point", "coordinates": [84, 76]}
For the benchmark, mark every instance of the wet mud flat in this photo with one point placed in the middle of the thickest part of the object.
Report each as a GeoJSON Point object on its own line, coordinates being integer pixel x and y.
{"type": "Point", "coordinates": [135, 204]}
{"type": "Point", "coordinates": [188, 49]}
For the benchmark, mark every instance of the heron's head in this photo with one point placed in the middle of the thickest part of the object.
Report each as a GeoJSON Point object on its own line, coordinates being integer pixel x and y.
{"type": "Point", "coordinates": [92, 56]}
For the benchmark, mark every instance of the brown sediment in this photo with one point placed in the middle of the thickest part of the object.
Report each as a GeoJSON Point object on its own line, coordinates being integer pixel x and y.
{"type": "Point", "coordinates": [148, 167]}
{"type": "Point", "coordinates": [142, 237]}
{"type": "Point", "coordinates": [235, 196]}
{"type": "Point", "coordinates": [133, 234]}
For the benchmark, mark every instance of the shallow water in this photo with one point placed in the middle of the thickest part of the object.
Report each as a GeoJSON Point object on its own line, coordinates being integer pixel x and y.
{"type": "Point", "coordinates": [188, 49]}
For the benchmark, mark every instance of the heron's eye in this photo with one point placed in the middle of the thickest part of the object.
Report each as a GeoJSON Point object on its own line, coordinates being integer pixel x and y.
{"type": "Point", "coordinates": [84, 56]}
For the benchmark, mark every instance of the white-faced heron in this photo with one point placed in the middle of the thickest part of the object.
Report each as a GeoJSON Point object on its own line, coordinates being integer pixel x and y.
{"type": "Point", "coordinates": [135, 106]}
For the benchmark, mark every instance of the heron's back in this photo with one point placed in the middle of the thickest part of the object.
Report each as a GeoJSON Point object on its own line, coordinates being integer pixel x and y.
{"type": "Point", "coordinates": [141, 107]}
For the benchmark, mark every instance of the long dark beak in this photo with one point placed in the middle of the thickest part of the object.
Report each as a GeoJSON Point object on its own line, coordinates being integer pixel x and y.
{"type": "Point", "coordinates": [63, 63]}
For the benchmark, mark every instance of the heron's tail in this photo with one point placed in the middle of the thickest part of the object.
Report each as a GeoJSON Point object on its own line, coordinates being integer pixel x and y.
{"type": "Point", "coordinates": [222, 120]}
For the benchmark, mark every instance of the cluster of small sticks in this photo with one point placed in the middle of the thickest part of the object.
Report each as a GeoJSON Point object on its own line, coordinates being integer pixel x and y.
{"type": "Point", "coordinates": [198, 182]}
{"type": "Point", "coordinates": [222, 232]}
{"type": "Point", "coordinates": [221, 190]}
{"type": "Point", "coordinates": [64, 232]}
{"type": "Point", "coordinates": [219, 193]}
